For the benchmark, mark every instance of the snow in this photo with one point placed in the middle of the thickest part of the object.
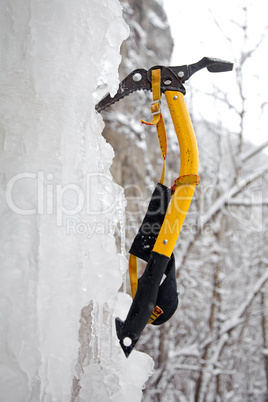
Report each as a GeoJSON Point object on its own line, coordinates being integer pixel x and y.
{"type": "Point", "coordinates": [60, 267]}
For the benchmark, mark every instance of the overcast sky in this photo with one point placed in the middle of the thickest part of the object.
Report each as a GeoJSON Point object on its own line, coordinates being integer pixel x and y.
{"type": "Point", "coordinates": [211, 28]}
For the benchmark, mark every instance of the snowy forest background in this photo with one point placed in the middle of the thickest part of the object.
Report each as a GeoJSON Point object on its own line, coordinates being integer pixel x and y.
{"type": "Point", "coordinates": [215, 348]}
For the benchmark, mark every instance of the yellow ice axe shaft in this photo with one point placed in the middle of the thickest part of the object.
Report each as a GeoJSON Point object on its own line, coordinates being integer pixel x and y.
{"type": "Point", "coordinates": [183, 194]}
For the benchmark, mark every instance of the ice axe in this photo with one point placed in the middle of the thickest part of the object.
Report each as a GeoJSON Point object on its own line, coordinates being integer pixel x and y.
{"type": "Point", "coordinates": [155, 296]}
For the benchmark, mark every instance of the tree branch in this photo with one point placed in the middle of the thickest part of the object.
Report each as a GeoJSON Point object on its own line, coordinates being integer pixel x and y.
{"type": "Point", "coordinates": [246, 156]}
{"type": "Point", "coordinates": [237, 319]}
{"type": "Point", "coordinates": [227, 195]}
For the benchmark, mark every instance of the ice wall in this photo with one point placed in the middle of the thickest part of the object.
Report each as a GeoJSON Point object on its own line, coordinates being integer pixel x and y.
{"type": "Point", "coordinates": [60, 267]}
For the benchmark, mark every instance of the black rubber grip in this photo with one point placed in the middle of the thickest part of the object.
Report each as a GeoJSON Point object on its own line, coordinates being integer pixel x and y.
{"type": "Point", "coordinates": [143, 303]}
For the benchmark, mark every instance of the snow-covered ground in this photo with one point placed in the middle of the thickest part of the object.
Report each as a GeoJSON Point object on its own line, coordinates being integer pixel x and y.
{"type": "Point", "coordinates": [60, 267]}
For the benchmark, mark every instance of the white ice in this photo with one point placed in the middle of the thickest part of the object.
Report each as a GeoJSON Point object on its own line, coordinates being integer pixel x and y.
{"type": "Point", "coordinates": [60, 267]}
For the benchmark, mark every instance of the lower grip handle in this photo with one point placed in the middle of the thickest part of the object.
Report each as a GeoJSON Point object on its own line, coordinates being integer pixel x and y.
{"type": "Point", "coordinates": [129, 331]}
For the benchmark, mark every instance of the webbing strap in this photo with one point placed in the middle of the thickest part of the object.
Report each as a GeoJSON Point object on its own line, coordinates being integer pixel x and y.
{"type": "Point", "coordinates": [162, 138]}
{"type": "Point", "coordinates": [133, 274]}
{"type": "Point", "coordinates": [158, 118]}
